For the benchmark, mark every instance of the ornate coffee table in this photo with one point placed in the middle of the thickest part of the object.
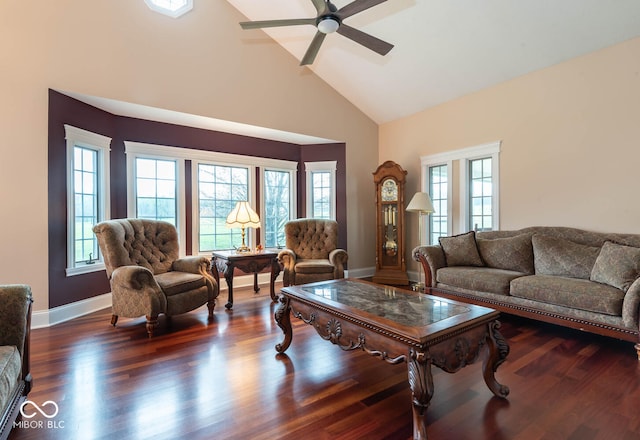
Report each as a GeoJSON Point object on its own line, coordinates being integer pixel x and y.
{"type": "Point", "coordinates": [399, 326]}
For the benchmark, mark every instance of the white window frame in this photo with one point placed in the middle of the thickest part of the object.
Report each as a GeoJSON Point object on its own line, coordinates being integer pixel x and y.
{"type": "Point", "coordinates": [464, 156]}
{"type": "Point", "coordinates": [139, 150]}
{"type": "Point", "coordinates": [102, 145]}
{"type": "Point", "coordinates": [321, 166]}
{"type": "Point", "coordinates": [281, 166]}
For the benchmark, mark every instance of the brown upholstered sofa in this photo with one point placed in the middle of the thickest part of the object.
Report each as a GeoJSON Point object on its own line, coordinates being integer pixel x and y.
{"type": "Point", "coordinates": [15, 328]}
{"type": "Point", "coordinates": [147, 277]}
{"type": "Point", "coordinates": [567, 276]}
{"type": "Point", "coordinates": [311, 252]}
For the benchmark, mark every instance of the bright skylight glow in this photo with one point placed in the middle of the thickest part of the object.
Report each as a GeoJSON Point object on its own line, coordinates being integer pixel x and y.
{"type": "Point", "coordinates": [172, 8]}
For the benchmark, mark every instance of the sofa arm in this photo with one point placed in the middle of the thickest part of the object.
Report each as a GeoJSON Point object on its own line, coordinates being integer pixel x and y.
{"type": "Point", "coordinates": [338, 257]}
{"type": "Point", "coordinates": [15, 320]}
{"type": "Point", "coordinates": [192, 264]}
{"type": "Point", "coordinates": [631, 306]}
{"type": "Point", "coordinates": [431, 258]}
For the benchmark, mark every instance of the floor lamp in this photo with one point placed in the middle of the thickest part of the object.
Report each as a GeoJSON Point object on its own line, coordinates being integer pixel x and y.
{"type": "Point", "coordinates": [420, 203]}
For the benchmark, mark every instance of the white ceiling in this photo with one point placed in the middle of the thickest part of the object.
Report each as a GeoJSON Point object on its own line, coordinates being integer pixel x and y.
{"type": "Point", "coordinates": [445, 49]}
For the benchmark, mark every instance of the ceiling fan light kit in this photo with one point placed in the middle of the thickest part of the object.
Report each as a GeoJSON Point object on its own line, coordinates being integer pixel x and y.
{"type": "Point", "coordinates": [329, 20]}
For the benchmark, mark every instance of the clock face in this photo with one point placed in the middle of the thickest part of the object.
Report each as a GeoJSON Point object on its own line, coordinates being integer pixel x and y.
{"type": "Point", "coordinates": [389, 191]}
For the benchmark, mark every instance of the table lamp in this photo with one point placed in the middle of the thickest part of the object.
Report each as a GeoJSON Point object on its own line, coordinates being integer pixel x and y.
{"type": "Point", "coordinates": [242, 216]}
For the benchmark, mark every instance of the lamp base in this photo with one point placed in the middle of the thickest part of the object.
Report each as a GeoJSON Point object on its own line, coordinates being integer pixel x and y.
{"type": "Point", "coordinates": [243, 249]}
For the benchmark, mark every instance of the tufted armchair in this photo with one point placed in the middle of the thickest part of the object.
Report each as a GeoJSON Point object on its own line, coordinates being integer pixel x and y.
{"type": "Point", "coordinates": [311, 253]}
{"type": "Point", "coordinates": [146, 275]}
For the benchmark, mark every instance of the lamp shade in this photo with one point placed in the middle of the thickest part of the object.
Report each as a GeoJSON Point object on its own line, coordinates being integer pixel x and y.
{"type": "Point", "coordinates": [421, 202]}
{"type": "Point", "coordinates": [242, 216]}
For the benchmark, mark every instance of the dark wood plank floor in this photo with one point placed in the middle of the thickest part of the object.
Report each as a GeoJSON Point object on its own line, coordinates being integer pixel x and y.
{"type": "Point", "coordinates": [224, 380]}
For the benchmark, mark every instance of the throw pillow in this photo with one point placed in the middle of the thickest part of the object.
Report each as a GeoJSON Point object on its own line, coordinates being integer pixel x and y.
{"type": "Point", "coordinates": [617, 265]}
{"type": "Point", "coordinates": [509, 253]}
{"type": "Point", "coordinates": [461, 250]}
{"type": "Point", "coordinates": [561, 257]}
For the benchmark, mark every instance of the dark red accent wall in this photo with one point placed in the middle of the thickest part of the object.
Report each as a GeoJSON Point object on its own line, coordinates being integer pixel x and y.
{"type": "Point", "coordinates": [66, 110]}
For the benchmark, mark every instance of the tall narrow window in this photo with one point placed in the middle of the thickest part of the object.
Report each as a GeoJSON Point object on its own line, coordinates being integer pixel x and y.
{"type": "Point", "coordinates": [277, 192]}
{"type": "Point", "coordinates": [219, 188]}
{"type": "Point", "coordinates": [156, 183]}
{"type": "Point", "coordinates": [87, 197]}
{"type": "Point", "coordinates": [438, 189]}
{"type": "Point", "coordinates": [481, 194]}
{"type": "Point", "coordinates": [321, 190]}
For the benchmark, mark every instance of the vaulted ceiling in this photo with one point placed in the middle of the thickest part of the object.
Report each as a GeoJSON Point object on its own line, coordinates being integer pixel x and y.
{"type": "Point", "coordinates": [445, 49]}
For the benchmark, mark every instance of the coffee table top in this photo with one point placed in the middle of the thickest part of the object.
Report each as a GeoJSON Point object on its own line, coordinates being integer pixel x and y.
{"type": "Point", "coordinates": [412, 314]}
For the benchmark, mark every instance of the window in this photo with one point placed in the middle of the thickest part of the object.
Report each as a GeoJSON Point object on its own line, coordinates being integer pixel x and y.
{"type": "Point", "coordinates": [477, 202]}
{"type": "Point", "coordinates": [480, 194]}
{"type": "Point", "coordinates": [278, 201]}
{"type": "Point", "coordinates": [321, 189]}
{"type": "Point", "coordinates": [439, 191]}
{"type": "Point", "coordinates": [155, 190]}
{"type": "Point", "coordinates": [219, 188]}
{"type": "Point", "coordinates": [172, 8]}
{"type": "Point", "coordinates": [87, 197]}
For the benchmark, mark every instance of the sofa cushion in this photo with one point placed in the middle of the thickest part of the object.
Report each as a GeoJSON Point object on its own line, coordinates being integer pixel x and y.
{"type": "Point", "coordinates": [569, 292]}
{"type": "Point", "coordinates": [10, 367]}
{"type": "Point", "coordinates": [509, 253]}
{"type": "Point", "coordinates": [461, 250]}
{"type": "Point", "coordinates": [481, 279]}
{"type": "Point", "coordinates": [617, 265]}
{"type": "Point", "coordinates": [175, 282]}
{"type": "Point", "coordinates": [557, 256]}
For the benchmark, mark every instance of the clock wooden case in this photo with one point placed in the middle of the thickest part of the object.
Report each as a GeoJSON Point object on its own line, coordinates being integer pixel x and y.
{"type": "Point", "coordinates": [389, 180]}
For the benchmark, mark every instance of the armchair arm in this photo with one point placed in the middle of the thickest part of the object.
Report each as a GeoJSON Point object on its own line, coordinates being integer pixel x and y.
{"type": "Point", "coordinates": [631, 306]}
{"type": "Point", "coordinates": [15, 321]}
{"type": "Point", "coordinates": [136, 292]}
{"type": "Point", "coordinates": [432, 259]}
{"type": "Point", "coordinates": [287, 258]}
{"type": "Point", "coordinates": [192, 264]}
{"type": "Point", "coordinates": [338, 257]}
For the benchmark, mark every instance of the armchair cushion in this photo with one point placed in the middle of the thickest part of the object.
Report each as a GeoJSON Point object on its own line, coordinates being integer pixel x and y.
{"type": "Point", "coordinates": [314, 266]}
{"type": "Point", "coordinates": [173, 283]}
{"type": "Point", "coordinates": [10, 367]}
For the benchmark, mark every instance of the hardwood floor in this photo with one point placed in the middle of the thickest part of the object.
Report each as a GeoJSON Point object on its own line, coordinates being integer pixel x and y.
{"type": "Point", "coordinates": [224, 380]}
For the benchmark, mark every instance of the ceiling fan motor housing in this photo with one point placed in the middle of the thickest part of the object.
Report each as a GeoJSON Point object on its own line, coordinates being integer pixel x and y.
{"type": "Point", "coordinates": [328, 24]}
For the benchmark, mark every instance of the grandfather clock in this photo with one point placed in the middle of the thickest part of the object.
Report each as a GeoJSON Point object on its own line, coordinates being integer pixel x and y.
{"type": "Point", "coordinates": [391, 268]}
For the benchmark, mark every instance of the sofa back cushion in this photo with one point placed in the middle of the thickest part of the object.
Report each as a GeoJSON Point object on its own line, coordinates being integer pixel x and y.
{"type": "Point", "coordinates": [617, 265]}
{"type": "Point", "coordinates": [509, 253]}
{"type": "Point", "coordinates": [561, 257]}
{"type": "Point", "coordinates": [461, 250]}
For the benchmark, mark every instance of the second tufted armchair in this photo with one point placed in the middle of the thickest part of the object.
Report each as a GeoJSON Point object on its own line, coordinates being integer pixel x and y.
{"type": "Point", "coordinates": [311, 254]}
{"type": "Point", "coordinates": [147, 277]}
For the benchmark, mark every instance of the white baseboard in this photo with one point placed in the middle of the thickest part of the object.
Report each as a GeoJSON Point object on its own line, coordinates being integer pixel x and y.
{"type": "Point", "coordinates": [56, 315]}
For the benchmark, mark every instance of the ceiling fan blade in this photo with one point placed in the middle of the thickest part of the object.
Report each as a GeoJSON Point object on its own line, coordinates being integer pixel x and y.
{"type": "Point", "coordinates": [319, 4]}
{"type": "Point", "coordinates": [277, 23]}
{"type": "Point", "coordinates": [368, 41]}
{"type": "Point", "coordinates": [313, 49]}
{"type": "Point", "coordinates": [357, 6]}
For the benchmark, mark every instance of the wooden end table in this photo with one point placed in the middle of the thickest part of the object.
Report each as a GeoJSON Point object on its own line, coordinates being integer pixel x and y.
{"type": "Point", "coordinates": [248, 262]}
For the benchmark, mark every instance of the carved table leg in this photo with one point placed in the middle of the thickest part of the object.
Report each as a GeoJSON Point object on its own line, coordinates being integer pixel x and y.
{"type": "Point", "coordinates": [228, 276]}
{"type": "Point", "coordinates": [275, 271]}
{"type": "Point", "coordinates": [421, 383]}
{"type": "Point", "coordinates": [256, 287]}
{"type": "Point", "coordinates": [498, 351]}
{"type": "Point", "coordinates": [282, 316]}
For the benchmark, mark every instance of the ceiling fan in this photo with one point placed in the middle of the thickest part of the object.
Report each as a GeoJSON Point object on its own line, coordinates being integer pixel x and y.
{"type": "Point", "coordinates": [330, 19]}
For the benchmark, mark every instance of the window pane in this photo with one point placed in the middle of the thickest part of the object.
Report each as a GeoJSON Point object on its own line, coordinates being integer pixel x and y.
{"type": "Point", "coordinates": [481, 194]}
{"type": "Point", "coordinates": [219, 188]}
{"type": "Point", "coordinates": [438, 191]}
{"type": "Point", "coordinates": [277, 206]}
{"type": "Point", "coordinates": [321, 194]}
{"type": "Point", "coordinates": [156, 189]}
{"type": "Point", "coordinates": [85, 201]}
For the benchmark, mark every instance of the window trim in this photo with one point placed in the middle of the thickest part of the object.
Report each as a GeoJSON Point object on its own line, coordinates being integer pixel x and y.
{"type": "Point", "coordinates": [463, 156]}
{"type": "Point", "coordinates": [321, 166]}
{"type": "Point", "coordinates": [102, 145]}
{"type": "Point", "coordinates": [138, 150]}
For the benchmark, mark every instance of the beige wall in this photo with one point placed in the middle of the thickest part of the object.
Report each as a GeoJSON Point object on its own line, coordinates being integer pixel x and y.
{"type": "Point", "coordinates": [202, 64]}
{"type": "Point", "coordinates": [570, 142]}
